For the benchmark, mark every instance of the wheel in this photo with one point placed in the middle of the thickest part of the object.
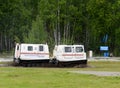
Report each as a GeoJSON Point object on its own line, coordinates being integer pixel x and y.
{"type": "Point", "coordinates": [85, 62]}
{"type": "Point", "coordinates": [16, 61]}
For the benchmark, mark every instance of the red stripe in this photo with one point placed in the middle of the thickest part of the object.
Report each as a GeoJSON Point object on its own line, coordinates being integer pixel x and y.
{"type": "Point", "coordinates": [68, 54]}
{"type": "Point", "coordinates": [72, 54]}
{"type": "Point", "coordinates": [79, 54]}
{"type": "Point", "coordinates": [34, 53]}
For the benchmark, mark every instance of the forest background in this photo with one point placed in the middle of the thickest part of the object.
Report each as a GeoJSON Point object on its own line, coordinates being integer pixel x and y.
{"type": "Point", "coordinates": [93, 23]}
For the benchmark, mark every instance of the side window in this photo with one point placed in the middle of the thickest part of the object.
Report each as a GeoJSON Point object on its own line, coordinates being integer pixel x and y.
{"type": "Point", "coordinates": [17, 47]}
{"type": "Point", "coordinates": [68, 49]}
{"type": "Point", "coordinates": [40, 48]}
{"type": "Point", "coordinates": [79, 49]}
{"type": "Point", "coordinates": [30, 48]}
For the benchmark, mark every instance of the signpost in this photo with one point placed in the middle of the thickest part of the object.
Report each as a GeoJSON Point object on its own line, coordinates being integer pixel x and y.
{"type": "Point", "coordinates": [105, 49]}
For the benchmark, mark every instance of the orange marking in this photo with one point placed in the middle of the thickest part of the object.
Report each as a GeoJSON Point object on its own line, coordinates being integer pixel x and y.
{"type": "Point", "coordinates": [72, 55]}
{"type": "Point", "coordinates": [34, 53]}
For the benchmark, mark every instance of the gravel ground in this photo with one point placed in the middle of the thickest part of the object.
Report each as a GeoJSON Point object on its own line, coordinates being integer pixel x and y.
{"type": "Point", "coordinates": [98, 73]}
{"type": "Point", "coordinates": [104, 59]}
{"type": "Point", "coordinates": [6, 59]}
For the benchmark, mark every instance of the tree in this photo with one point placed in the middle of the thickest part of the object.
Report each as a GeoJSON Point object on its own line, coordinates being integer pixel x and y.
{"type": "Point", "coordinates": [37, 34]}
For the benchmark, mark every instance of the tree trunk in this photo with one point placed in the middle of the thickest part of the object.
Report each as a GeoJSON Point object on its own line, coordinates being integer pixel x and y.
{"type": "Point", "coordinates": [55, 34]}
{"type": "Point", "coordinates": [58, 24]}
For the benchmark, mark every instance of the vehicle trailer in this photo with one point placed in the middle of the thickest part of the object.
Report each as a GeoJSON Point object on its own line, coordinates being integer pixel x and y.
{"type": "Point", "coordinates": [31, 53]}
{"type": "Point", "coordinates": [69, 54]}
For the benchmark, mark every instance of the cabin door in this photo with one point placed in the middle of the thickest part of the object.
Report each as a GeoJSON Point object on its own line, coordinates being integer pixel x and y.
{"type": "Point", "coordinates": [68, 52]}
{"type": "Point", "coordinates": [78, 52]}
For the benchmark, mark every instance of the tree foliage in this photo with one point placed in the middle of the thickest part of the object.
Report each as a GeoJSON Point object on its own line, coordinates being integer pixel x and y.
{"type": "Point", "coordinates": [89, 22]}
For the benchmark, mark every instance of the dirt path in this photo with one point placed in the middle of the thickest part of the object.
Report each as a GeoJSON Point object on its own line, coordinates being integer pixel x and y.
{"type": "Point", "coordinates": [98, 73]}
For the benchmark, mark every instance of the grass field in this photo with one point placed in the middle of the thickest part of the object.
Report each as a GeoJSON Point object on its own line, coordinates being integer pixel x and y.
{"type": "Point", "coordinates": [19, 77]}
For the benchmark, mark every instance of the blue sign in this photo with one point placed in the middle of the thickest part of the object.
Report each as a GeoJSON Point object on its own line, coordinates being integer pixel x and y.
{"type": "Point", "coordinates": [106, 54]}
{"type": "Point", "coordinates": [104, 48]}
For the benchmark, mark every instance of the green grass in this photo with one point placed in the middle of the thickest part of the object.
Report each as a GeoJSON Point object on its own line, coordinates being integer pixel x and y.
{"type": "Point", "coordinates": [18, 77]}
{"type": "Point", "coordinates": [104, 66]}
